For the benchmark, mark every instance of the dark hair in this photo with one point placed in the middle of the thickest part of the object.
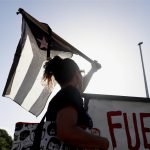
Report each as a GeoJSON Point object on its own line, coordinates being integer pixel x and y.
{"type": "Point", "coordinates": [62, 69]}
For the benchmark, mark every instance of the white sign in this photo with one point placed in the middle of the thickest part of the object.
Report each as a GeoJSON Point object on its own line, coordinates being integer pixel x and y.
{"type": "Point", "coordinates": [126, 124]}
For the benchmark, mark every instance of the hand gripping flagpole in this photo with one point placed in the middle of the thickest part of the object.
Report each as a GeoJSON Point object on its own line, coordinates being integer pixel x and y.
{"type": "Point", "coordinates": [57, 38]}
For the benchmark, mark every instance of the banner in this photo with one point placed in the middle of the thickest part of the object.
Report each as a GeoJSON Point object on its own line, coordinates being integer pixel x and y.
{"type": "Point", "coordinates": [125, 121]}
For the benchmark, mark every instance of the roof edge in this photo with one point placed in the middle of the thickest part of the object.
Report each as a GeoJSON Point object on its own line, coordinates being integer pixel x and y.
{"type": "Point", "coordinates": [115, 97]}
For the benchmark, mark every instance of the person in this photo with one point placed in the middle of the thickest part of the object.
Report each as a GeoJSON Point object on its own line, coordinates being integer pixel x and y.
{"type": "Point", "coordinates": [66, 107]}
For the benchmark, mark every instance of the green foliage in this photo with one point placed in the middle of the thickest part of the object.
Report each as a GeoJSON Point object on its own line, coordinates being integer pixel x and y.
{"type": "Point", "coordinates": [5, 140]}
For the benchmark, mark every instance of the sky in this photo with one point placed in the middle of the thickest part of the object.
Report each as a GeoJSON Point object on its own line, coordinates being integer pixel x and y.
{"type": "Point", "coordinates": [105, 30]}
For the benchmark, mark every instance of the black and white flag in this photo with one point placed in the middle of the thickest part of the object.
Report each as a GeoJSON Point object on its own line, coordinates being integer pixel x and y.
{"type": "Point", "coordinates": [24, 83]}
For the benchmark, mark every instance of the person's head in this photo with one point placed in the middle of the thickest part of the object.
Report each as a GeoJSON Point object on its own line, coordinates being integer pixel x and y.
{"type": "Point", "coordinates": [65, 71]}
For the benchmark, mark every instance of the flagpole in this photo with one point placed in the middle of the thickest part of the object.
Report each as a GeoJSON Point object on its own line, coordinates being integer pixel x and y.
{"type": "Point", "coordinates": [145, 81]}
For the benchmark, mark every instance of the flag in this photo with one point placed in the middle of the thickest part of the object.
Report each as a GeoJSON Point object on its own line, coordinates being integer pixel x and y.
{"type": "Point", "coordinates": [24, 83]}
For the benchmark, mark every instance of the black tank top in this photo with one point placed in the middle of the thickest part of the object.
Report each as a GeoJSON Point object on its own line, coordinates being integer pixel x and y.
{"type": "Point", "coordinates": [69, 96]}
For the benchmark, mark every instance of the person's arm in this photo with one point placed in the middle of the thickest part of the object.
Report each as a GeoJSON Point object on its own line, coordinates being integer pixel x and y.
{"type": "Point", "coordinates": [69, 132]}
{"type": "Point", "coordinates": [94, 67]}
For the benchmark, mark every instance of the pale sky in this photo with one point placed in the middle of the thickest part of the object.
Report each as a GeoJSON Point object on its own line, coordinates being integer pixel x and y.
{"type": "Point", "coordinates": [105, 30]}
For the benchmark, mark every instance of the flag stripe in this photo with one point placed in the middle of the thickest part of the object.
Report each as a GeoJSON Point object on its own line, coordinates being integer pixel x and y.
{"type": "Point", "coordinates": [32, 71]}
{"type": "Point", "coordinates": [40, 103]}
{"type": "Point", "coordinates": [21, 70]}
{"type": "Point", "coordinates": [12, 72]}
{"type": "Point", "coordinates": [35, 91]}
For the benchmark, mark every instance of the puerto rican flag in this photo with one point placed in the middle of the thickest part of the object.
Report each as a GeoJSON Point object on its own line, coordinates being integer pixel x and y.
{"type": "Point", "coordinates": [37, 43]}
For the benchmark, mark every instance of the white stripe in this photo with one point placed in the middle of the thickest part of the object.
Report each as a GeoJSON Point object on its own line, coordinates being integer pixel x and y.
{"type": "Point", "coordinates": [34, 92]}
{"type": "Point", "coordinates": [37, 87]}
{"type": "Point", "coordinates": [23, 65]}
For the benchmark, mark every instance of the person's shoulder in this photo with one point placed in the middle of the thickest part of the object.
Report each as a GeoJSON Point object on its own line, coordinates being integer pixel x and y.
{"type": "Point", "coordinates": [66, 93]}
{"type": "Point", "coordinates": [68, 96]}
{"type": "Point", "coordinates": [70, 90]}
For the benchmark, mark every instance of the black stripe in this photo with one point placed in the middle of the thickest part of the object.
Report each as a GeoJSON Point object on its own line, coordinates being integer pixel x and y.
{"type": "Point", "coordinates": [40, 103]}
{"type": "Point", "coordinates": [31, 74]}
{"type": "Point", "coordinates": [11, 75]}
{"type": "Point", "coordinates": [29, 80]}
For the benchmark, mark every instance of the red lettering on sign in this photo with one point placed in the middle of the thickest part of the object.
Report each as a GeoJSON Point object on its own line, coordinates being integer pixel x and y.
{"type": "Point", "coordinates": [112, 126]}
{"type": "Point", "coordinates": [144, 129]}
{"type": "Point", "coordinates": [137, 145]}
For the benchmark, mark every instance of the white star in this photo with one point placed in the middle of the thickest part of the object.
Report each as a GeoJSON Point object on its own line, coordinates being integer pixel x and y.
{"type": "Point", "coordinates": [43, 43]}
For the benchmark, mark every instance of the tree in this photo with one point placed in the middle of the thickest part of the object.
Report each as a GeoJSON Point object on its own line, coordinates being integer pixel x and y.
{"type": "Point", "coordinates": [5, 140]}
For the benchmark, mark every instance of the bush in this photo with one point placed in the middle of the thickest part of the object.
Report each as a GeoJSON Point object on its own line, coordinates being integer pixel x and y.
{"type": "Point", "coordinates": [5, 140]}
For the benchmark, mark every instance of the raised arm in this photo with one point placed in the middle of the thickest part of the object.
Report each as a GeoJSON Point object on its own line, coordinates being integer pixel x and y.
{"type": "Point", "coordinates": [94, 67]}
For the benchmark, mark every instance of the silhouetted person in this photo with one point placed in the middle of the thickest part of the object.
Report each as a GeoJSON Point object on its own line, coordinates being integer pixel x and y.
{"type": "Point", "coordinates": [66, 107]}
